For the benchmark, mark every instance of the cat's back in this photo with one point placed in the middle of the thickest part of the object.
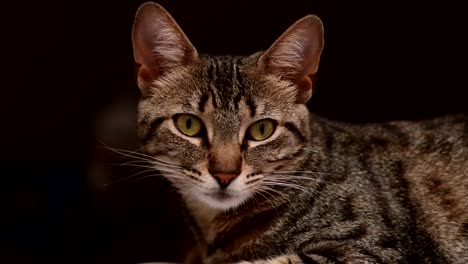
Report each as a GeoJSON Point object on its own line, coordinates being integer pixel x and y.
{"type": "Point", "coordinates": [433, 163]}
{"type": "Point", "coordinates": [434, 152]}
{"type": "Point", "coordinates": [425, 161]}
{"type": "Point", "coordinates": [442, 139]}
{"type": "Point", "coordinates": [439, 142]}
{"type": "Point", "coordinates": [437, 174]}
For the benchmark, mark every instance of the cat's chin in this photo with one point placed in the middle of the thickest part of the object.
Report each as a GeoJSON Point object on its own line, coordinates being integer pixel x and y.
{"type": "Point", "coordinates": [221, 200]}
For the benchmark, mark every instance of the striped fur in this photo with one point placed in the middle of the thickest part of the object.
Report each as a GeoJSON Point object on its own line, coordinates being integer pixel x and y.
{"type": "Point", "coordinates": [316, 190]}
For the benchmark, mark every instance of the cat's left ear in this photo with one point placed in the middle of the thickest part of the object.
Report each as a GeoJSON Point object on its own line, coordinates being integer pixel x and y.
{"type": "Point", "coordinates": [159, 45]}
{"type": "Point", "coordinates": [295, 55]}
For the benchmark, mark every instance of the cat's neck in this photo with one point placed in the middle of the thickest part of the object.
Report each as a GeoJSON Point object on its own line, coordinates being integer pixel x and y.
{"type": "Point", "coordinates": [211, 222]}
{"type": "Point", "coordinates": [231, 230]}
{"type": "Point", "coordinates": [203, 216]}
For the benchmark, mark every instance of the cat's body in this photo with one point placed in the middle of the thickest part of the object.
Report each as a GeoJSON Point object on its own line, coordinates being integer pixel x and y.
{"type": "Point", "coordinates": [265, 181]}
{"type": "Point", "coordinates": [371, 199]}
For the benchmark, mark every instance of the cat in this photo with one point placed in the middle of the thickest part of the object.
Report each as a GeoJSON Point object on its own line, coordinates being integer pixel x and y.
{"type": "Point", "coordinates": [264, 180]}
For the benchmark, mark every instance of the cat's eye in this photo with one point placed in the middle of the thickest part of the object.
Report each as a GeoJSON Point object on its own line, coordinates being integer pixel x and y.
{"type": "Point", "coordinates": [188, 125]}
{"type": "Point", "coordinates": [262, 129]}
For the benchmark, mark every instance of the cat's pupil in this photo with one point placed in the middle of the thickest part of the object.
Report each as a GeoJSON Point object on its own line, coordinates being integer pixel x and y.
{"type": "Point", "coordinates": [261, 128]}
{"type": "Point", "coordinates": [188, 123]}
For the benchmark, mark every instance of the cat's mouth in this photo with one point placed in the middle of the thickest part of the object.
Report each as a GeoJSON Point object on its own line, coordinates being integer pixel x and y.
{"type": "Point", "coordinates": [222, 199]}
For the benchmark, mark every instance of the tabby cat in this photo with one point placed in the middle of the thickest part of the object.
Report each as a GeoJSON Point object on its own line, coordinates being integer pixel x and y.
{"type": "Point", "coordinates": [263, 180]}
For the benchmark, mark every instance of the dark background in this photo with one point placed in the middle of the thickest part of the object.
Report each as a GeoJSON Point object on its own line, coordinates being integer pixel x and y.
{"type": "Point", "coordinates": [68, 89]}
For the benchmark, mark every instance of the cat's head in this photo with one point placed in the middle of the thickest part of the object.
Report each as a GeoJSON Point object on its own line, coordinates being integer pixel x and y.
{"type": "Point", "coordinates": [223, 129]}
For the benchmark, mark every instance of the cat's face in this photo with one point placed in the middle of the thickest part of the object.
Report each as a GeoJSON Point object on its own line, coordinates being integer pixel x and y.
{"type": "Point", "coordinates": [222, 129]}
{"type": "Point", "coordinates": [219, 134]}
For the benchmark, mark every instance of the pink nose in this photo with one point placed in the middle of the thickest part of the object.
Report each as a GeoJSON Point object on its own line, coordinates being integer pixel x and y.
{"type": "Point", "coordinates": [224, 179]}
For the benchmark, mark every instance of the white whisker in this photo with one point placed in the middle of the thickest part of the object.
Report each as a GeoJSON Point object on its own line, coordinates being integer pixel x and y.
{"type": "Point", "coordinates": [139, 166]}
{"type": "Point", "coordinates": [298, 171]}
{"type": "Point", "coordinates": [147, 176]}
{"type": "Point", "coordinates": [260, 191]}
{"type": "Point", "coordinates": [137, 155]}
{"type": "Point", "coordinates": [131, 176]}
{"type": "Point", "coordinates": [286, 184]}
{"type": "Point", "coordinates": [301, 178]}
{"type": "Point", "coordinates": [285, 197]}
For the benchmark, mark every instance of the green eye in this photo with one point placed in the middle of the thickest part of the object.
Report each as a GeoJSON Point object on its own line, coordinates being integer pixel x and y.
{"type": "Point", "coordinates": [262, 129]}
{"type": "Point", "coordinates": [188, 124]}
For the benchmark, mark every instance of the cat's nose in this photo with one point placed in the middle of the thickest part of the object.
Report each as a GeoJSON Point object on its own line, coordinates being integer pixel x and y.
{"type": "Point", "coordinates": [224, 179]}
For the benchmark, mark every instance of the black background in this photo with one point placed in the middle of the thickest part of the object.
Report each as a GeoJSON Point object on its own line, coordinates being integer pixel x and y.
{"type": "Point", "coordinates": [68, 89]}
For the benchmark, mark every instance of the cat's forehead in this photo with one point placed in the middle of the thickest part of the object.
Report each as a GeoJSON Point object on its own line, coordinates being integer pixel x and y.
{"type": "Point", "coordinates": [223, 88]}
{"type": "Point", "coordinates": [236, 82]}
{"type": "Point", "coordinates": [227, 85]}
{"type": "Point", "coordinates": [226, 81]}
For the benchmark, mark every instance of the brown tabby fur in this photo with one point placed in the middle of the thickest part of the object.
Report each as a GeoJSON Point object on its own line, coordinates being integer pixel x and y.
{"type": "Point", "coordinates": [316, 190]}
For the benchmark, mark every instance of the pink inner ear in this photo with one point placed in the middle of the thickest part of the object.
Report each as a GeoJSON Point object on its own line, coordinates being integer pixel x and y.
{"type": "Point", "coordinates": [305, 89]}
{"type": "Point", "coordinates": [311, 59]}
{"type": "Point", "coordinates": [145, 76]}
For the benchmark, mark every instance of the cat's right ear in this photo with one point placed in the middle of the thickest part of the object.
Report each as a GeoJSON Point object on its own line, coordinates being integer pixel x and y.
{"type": "Point", "coordinates": [159, 45]}
{"type": "Point", "coordinates": [295, 55]}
